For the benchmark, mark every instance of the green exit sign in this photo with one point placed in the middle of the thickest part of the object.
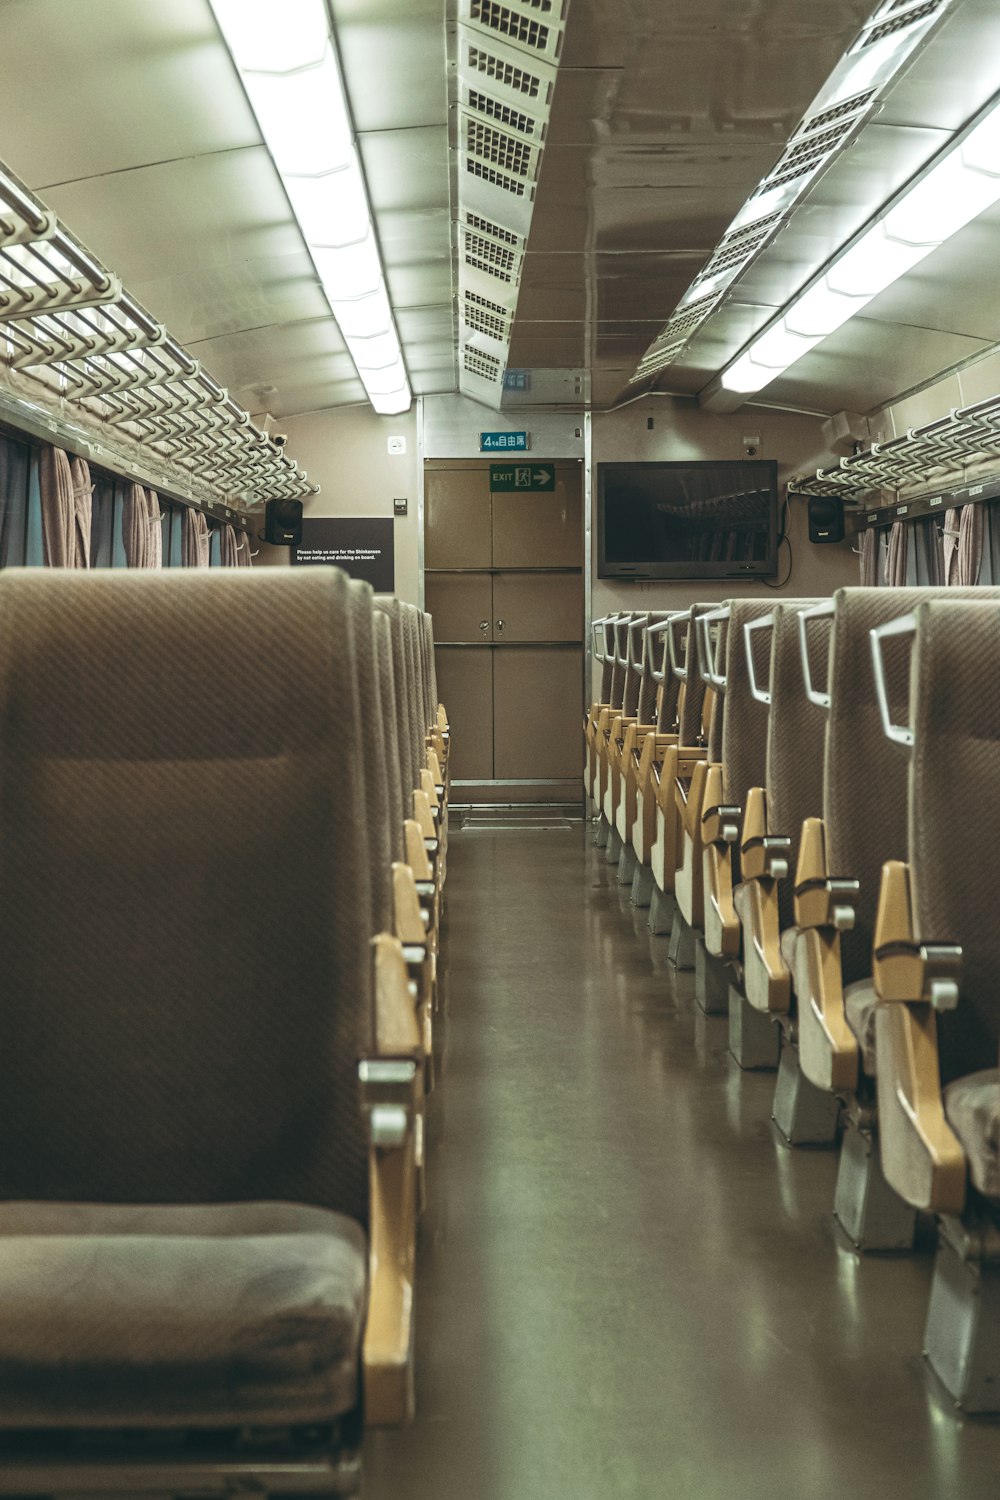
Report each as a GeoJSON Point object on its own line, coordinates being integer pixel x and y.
{"type": "Point", "coordinates": [530, 478]}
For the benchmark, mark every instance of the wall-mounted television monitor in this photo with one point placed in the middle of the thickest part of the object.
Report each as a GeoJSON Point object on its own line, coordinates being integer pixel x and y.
{"type": "Point", "coordinates": [688, 520]}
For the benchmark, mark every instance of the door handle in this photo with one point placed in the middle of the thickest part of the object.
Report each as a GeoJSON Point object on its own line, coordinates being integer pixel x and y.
{"type": "Point", "coordinates": [484, 625]}
{"type": "Point", "coordinates": [501, 626]}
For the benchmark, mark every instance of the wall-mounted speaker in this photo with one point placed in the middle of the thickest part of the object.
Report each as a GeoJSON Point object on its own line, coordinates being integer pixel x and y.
{"type": "Point", "coordinates": [826, 518]}
{"type": "Point", "coordinates": [283, 522]}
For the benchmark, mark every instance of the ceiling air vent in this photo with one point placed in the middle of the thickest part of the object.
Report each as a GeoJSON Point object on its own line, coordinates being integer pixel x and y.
{"type": "Point", "coordinates": [478, 362]}
{"type": "Point", "coordinates": [487, 317]}
{"type": "Point", "coordinates": [486, 226]}
{"type": "Point", "coordinates": [738, 246]}
{"type": "Point", "coordinates": [852, 106]}
{"type": "Point", "coordinates": [896, 23]}
{"type": "Point", "coordinates": [657, 359]}
{"type": "Point", "coordinates": [686, 319]}
{"type": "Point", "coordinates": [495, 179]}
{"type": "Point", "coordinates": [500, 149]}
{"type": "Point", "coordinates": [498, 260]}
{"type": "Point", "coordinates": [517, 27]}
{"type": "Point", "coordinates": [515, 119]}
{"type": "Point", "coordinates": [501, 71]}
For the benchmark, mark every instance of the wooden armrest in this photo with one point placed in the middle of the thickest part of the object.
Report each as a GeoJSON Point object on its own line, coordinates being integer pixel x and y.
{"type": "Point", "coordinates": [921, 1156]}
{"type": "Point", "coordinates": [821, 899]}
{"type": "Point", "coordinates": [417, 856]}
{"type": "Point", "coordinates": [390, 1097]}
{"type": "Point", "coordinates": [720, 821]}
{"type": "Point", "coordinates": [764, 856]}
{"type": "Point", "coordinates": [907, 969]}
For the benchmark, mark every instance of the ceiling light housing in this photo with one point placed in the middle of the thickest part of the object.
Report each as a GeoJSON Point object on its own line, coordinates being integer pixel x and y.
{"type": "Point", "coordinates": [290, 70]}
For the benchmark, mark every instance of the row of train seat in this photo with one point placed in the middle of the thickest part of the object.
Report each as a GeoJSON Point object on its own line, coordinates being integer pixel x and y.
{"type": "Point", "coordinates": [813, 821]}
{"type": "Point", "coordinates": [222, 883]}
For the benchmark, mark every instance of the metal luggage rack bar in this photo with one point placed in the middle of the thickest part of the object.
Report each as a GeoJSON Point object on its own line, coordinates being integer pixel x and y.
{"type": "Point", "coordinates": [940, 452]}
{"type": "Point", "coordinates": [75, 345]}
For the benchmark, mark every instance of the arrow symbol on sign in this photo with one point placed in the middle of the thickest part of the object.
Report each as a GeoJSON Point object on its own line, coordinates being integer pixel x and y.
{"type": "Point", "coordinates": [539, 476]}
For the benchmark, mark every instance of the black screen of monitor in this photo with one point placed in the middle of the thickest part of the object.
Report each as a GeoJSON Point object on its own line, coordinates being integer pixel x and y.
{"type": "Point", "coordinates": [663, 514]}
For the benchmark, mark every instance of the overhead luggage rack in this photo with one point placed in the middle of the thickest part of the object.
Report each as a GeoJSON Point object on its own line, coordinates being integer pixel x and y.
{"type": "Point", "coordinates": [84, 363]}
{"type": "Point", "coordinates": [948, 453]}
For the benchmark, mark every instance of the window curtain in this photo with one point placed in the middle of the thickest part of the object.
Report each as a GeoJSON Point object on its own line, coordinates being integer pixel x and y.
{"type": "Point", "coordinates": [914, 556]}
{"type": "Point", "coordinates": [13, 501]}
{"type": "Point", "coordinates": [83, 506]}
{"type": "Point", "coordinates": [196, 540]}
{"type": "Point", "coordinates": [949, 542]}
{"type": "Point", "coordinates": [870, 550]}
{"type": "Point", "coordinates": [244, 558]}
{"type": "Point", "coordinates": [154, 531]}
{"type": "Point", "coordinates": [55, 488]}
{"type": "Point", "coordinates": [970, 545]}
{"type": "Point", "coordinates": [228, 545]}
{"type": "Point", "coordinates": [135, 526]}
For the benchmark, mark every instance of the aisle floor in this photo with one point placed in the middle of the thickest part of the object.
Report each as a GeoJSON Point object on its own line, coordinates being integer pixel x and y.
{"type": "Point", "coordinates": [627, 1286]}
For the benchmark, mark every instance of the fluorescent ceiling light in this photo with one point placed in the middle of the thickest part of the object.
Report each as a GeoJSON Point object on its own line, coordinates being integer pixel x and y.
{"type": "Point", "coordinates": [289, 67]}
{"type": "Point", "coordinates": [963, 182]}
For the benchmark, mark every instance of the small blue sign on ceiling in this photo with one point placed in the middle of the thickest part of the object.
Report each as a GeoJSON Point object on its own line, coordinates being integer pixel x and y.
{"type": "Point", "coordinates": [503, 442]}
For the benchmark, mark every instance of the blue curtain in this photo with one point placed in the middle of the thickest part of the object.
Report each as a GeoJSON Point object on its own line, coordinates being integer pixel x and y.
{"type": "Point", "coordinates": [13, 501]}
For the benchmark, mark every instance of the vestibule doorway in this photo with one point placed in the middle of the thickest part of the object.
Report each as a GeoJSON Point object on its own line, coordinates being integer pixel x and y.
{"type": "Point", "coordinates": [503, 580]}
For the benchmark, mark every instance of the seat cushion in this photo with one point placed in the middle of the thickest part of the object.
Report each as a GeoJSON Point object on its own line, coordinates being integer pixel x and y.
{"type": "Point", "coordinates": [203, 1316]}
{"type": "Point", "coordinates": [860, 1005]}
{"type": "Point", "coordinates": [972, 1105]}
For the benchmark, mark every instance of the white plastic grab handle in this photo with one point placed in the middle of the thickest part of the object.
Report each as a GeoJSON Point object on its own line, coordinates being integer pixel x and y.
{"type": "Point", "coordinates": [662, 628]}
{"type": "Point", "coordinates": [766, 622]}
{"type": "Point", "coordinates": [817, 612]}
{"type": "Point", "coordinates": [600, 636]}
{"type": "Point", "coordinates": [898, 734]}
{"type": "Point", "coordinates": [636, 643]}
{"type": "Point", "coordinates": [672, 648]}
{"type": "Point", "coordinates": [710, 673]}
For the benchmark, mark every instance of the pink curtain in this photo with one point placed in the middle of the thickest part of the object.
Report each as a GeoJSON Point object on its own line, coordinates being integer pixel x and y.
{"type": "Point", "coordinates": [83, 505]}
{"type": "Point", "coordinates": [196, 539]}
{"type": "Point", "coordinates": [950, 536]}
{"type": "Point", "coordinates": [970, 545]}
{"type": "Point", "coordinates": [895, 557]}
{"type": "Point", "coordinates": [55, 483]}
{"type": "Point", "coordinates": [135, 526]}
{"type": "Point", "coordinates": [228, 555]}
{"type": "Point", "coordinates": [154, 531]}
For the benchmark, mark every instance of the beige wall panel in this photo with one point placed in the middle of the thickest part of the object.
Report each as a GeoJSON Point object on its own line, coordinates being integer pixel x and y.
{"type": "Point", "coordinates": [547, 608]}
{"type": "Point", "coordinates": [465, 687]}
{"type": "Point", "coordinates": [457, 530]}
{"type": "Point", "coordinates": [346, 452]}
{"type": "Point", "coordinates": [460, 604]}
{"type": "Point", "coordinates": [541, 531]}
{"type": "Point", "coordinates": [537, 710]}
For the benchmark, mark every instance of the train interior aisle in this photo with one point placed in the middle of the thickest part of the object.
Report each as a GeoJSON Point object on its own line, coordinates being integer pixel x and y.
{"type": "Point", "coordinates": [499, 749]}
{"type": "Point", "coordinates": [630, 1284]}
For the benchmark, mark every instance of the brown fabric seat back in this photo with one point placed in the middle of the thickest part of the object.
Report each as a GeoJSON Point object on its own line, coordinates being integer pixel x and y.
{"type": "Point", "coordinates": [607, 640]}
{"type": "Point", "coordinates": [694, 696]}
{"type": "Point", "coordinates": [865, 776]}
{"type": "Point", "coordinates": [413, 702]}
{"type": "Point", "coordinates": [393, 611]}
{"type": "Point", "coordinates": [744, 723]}
{"type": "Point", "coordinates": [432, 686]}
{"type": "Point", "coordinates": [374, 767]}
{"type": "Point", "coordinates": [796, 730]}
{"type": "Point", "coordinates": [390, 730]}
{"type": "Point", "coordinates": [184, 888]}
{"type": "Point", "coordinates": [646, 706]}
{"type": "Point", "coordinates": [633, 655]}
{"type": "Point", "coordinates": [954, 814]}
{"type": "Point", "coordinates": [619, 673]}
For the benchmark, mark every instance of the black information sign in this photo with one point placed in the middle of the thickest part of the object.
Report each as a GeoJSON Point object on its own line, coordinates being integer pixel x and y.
{"type": "Point", "coordinates": [361, 545]}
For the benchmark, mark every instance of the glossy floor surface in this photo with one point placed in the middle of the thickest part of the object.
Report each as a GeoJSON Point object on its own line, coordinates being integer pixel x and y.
{"type": "Point", "coordinates": [628, 1286]}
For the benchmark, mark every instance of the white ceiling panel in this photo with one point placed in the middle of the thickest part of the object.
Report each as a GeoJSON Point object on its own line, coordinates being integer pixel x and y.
{"type": "Point", "coordinates": [95, 86]}
{"type": "Point", "coordinates": [401, 40]}
{"type": "Point", "coordinates": [182, 216]}
{"type": "Point", "coordinates": [284, 369]}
